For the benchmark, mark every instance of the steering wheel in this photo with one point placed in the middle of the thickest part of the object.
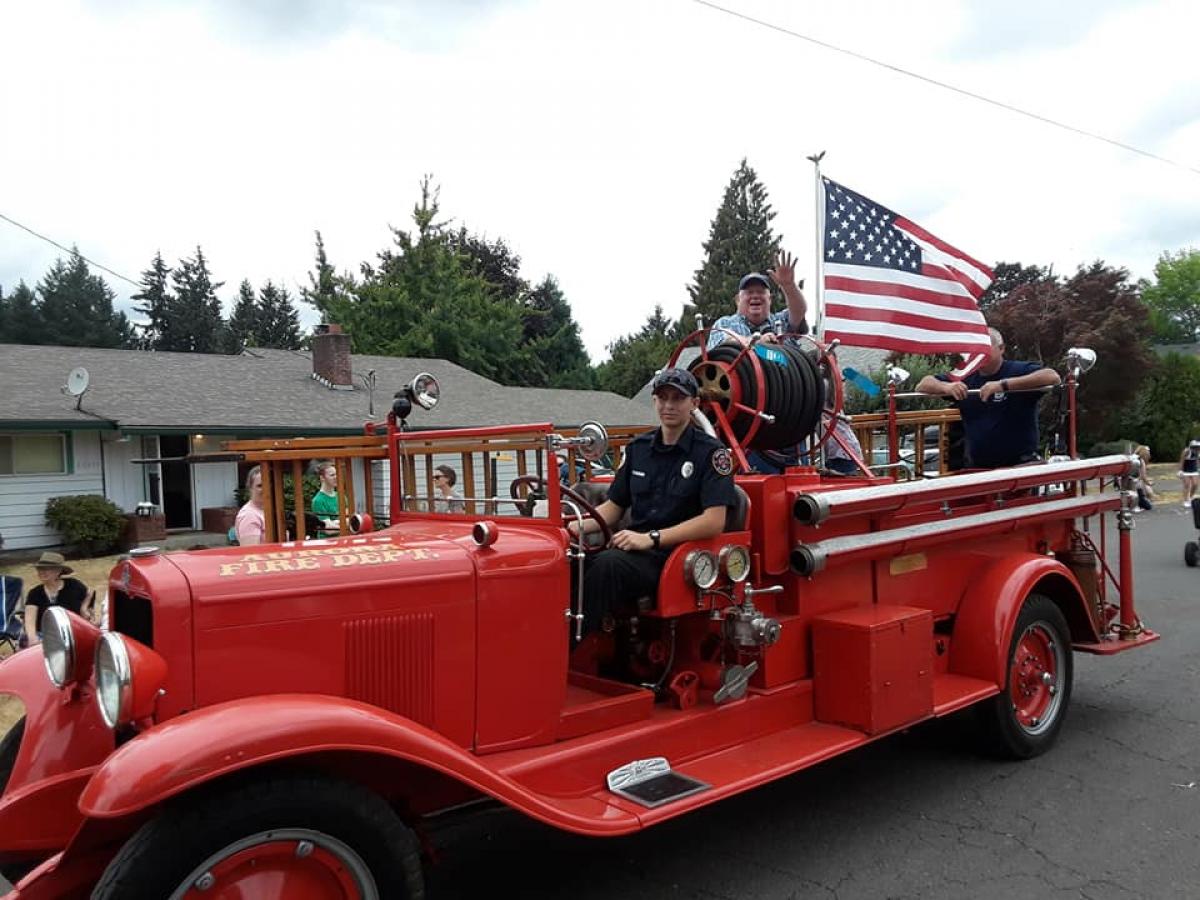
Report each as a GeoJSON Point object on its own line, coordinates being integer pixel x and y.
{"type": "Point", "coordinates": [585, 506]}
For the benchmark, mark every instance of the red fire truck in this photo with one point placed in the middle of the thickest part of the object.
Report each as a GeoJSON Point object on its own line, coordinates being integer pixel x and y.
{"type": "Point", "coordinates": [281, 720]}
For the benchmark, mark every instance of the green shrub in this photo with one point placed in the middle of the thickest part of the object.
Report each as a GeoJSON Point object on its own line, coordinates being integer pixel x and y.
{"type": "Point", "coordinates": [1108, 448]}
{"type": "Point", "coordinates": [89, 520]}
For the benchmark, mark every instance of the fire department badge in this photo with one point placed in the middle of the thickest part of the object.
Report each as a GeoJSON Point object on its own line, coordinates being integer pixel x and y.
{"type": "Point", "coordinates": [722, 462]}
{"type": "Point", "coordinates": [687, 469]}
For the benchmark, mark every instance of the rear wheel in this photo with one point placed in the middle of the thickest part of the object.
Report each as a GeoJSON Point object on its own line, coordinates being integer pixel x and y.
{"type": "Point", "coordinates": [295, 837]}
{"type": "Point", "coordinates": [1024, 720]}
{"type": "Point", "coordinates": [1191, 554]}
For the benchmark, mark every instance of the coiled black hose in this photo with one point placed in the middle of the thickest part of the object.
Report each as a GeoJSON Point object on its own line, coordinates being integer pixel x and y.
{"type": "Point", "coordinates": [792, 383]}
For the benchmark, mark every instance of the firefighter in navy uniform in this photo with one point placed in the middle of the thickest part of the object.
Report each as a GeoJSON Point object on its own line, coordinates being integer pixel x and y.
{"type": "Point", "coordinates": [676, 482]}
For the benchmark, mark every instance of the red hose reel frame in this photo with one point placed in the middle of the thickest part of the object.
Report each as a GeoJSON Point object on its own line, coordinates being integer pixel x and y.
{"type": "Point", "coordinates": [714, 405]}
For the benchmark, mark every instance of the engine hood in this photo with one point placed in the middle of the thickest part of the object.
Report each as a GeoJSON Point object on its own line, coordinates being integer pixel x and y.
{"type": "Point", "coordinates": [396, 555]}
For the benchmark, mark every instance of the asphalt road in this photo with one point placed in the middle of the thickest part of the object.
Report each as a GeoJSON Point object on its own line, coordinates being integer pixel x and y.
{"type": "Point", "coordinates": [1111, 812]}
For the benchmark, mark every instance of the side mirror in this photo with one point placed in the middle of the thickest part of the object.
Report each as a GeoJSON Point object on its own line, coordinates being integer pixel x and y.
{"type": "Point", "coordinates": [593, 441]}
{"type": "Point", "coordinates": [1081, 359]}
{"type": "Point", "coordinates": [425, 391]}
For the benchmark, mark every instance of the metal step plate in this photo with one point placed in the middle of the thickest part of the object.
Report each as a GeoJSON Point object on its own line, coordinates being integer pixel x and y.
{"type": "Point", "coordinates": [651, 783]}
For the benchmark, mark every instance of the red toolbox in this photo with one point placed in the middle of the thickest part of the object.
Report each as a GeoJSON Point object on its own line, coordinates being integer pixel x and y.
{"type": "Point", "coordinates": [873, 667]}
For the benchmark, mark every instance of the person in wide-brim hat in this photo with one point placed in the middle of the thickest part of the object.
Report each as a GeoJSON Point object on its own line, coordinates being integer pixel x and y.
{"type": "Point", "coordinates": [50, 560]}
{"type": "Point", "coordinates": [54, 588]}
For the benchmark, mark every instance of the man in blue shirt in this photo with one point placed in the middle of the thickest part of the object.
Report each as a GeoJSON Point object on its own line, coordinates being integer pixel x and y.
{"type": "Point", "coordinates": [754, 314]}
{"type": "Point", "coordinates": [1001, 426]}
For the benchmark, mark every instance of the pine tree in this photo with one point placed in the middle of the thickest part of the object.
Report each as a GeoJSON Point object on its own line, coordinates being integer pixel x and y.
{"type": "Point", "coordinates": [156, 306]}
{"type": "Point", "coordinates": [23, 322]}
{"type": "Point", "coordinates": [740, 240]}
{"type": "Point", "coordinates": [278, 322]}
{"type": "Point", "coordinates": [635, 358]}
{"type": "Point", "coordinates": [79, 307]}
{"type": "Point", "coordinates": [195, 317]}
{"type": "Point", "coordinates": [551, 333]}
{"type": "Point", "coordinates": [243, 321]}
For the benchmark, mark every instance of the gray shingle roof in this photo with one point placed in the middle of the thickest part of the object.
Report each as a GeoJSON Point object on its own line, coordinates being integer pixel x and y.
{"type": "Point", "coordinates": [269, 391]}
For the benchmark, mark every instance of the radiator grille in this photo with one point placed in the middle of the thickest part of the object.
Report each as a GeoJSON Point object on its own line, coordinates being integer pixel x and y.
{"type": "Point", "coordinates": [389, 663]}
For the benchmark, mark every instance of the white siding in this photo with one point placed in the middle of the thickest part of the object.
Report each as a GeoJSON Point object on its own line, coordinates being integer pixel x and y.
{"type": "Point", "coordinates": [124, 481]}
{"type": "Point", "coordinates": [23, 497]}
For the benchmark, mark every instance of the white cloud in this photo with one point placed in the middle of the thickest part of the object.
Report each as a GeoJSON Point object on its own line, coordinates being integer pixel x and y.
{"type": "Point", "coordinates": [596, 140]}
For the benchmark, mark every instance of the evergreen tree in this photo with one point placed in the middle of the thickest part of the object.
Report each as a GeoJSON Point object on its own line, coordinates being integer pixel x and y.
{"type": "Point", "coordinates": [635, 358]}
{"type": "Point", "coordinates": [557, 355]}
{"type": "Point", "coordinates": [278, 323]}
{"type": "Point", "coordinates": [325, 285]}
{"type": "Point", "coordinates": [195, 315]}
{"type": "Point", "coordinates": [79, 307]}
{"type": "Point", "coordinates": [243, 321]}
{"type": "Point", "coordinates": [157, 301]}
{"type": "Point", "coordinates": [740, 240]}
{"type": "Point", "coordinates": [22, 321]}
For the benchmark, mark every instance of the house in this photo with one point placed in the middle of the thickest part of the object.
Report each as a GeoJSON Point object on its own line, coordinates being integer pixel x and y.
{"type": "Point", "coordinates": [124, 437]}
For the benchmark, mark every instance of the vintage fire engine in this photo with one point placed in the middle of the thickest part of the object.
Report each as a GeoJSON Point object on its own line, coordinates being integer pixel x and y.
{"type": "Point", "coordinates": [281, 720]}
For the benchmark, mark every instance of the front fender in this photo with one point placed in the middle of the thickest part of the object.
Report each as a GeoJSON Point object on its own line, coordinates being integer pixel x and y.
{"type": "Point", "coordinates": [189, 751]}
{"type": "Point", "coordinates": [983, 626]}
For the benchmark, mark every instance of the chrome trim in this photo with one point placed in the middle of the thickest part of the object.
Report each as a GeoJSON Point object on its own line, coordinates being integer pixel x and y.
{"type": "Point", "coordinates": [57, 635]}
{"type": "Point", "coordinates": [112, 645]}
{"type": "Point", "coordinates": [689, 568]}
{"type": "Point", "coordinates": [723, 560]}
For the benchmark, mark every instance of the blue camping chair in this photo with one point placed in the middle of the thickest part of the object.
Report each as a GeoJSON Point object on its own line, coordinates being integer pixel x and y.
{"type": "Point", "coordinates": [14, 625]}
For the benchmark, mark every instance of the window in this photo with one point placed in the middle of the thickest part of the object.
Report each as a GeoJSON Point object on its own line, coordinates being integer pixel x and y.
{"type": "Point", "coordinates": [33, 454]}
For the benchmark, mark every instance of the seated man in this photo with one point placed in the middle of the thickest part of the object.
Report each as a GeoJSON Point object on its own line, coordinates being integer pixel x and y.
{"type": "Point", "coordinates": [1001, 427]}
{"type": "Point", "coordinates": [676, 481]}
{"type": "Point", "coordinates": [754, 316]}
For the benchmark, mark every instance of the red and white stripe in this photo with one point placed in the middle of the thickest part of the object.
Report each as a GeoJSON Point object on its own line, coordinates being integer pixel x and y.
{"type": "Point", "coordinates": [932, 311]}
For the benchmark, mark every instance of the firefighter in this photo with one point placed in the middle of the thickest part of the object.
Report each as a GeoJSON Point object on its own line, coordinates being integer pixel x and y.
{"type": "Point", "coordinates": [676, 482]}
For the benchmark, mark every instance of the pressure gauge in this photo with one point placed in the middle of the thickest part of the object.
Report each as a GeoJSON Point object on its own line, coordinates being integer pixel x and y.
{"type": "Point", "coordinates": [700, 569]}
{"type": "Point", "coordinates": [735, 560]}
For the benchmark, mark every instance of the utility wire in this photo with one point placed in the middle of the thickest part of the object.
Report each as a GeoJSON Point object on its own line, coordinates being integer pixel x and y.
{"type": "Point", "coordinates": [949, 87]}
{"type": "Point", "coordinates": [90, 262]}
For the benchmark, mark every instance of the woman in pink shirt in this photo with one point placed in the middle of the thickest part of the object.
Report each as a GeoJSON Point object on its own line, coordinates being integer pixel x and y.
{"type": "Point", "coordinates": [250, 524]}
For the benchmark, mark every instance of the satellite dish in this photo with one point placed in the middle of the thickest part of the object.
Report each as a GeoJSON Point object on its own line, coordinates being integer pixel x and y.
{"type": "Point", "coordinates": [77, 381]}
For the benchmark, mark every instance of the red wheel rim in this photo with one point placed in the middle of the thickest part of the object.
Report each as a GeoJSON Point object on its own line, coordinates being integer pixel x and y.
{"type": "Point", "coordinates": [297, 864]}
{"type": "Point", "coordinates": [1033, 678]}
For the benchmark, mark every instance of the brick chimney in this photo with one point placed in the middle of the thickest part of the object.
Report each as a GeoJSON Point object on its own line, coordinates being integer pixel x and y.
{"type": "Point", "coordinates": [331, 357]}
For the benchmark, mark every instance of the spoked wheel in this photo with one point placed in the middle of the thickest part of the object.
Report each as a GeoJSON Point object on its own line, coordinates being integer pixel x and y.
{"type": "Point", "coordinates": [299, 838]}
{"type": "Point", "coordinates": [1024, 720]}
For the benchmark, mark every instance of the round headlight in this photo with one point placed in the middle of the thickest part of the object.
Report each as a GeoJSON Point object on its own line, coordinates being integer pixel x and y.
{"type": "Point", "coordinates": [58, 646]}
{"type": "Point", "coordinates": [735, 560]}
{"type": "Point", "coordinates": [700, 569]}
{"type": "Point", "coordinates": [114, 681]}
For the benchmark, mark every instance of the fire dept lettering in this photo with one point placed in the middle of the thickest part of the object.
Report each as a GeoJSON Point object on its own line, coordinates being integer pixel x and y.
{"type": "Point", "coordinates": [311, 558]}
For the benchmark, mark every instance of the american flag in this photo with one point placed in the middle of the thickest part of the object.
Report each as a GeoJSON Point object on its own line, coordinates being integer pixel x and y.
{"type": "Point", "coordinates": [892, 285]}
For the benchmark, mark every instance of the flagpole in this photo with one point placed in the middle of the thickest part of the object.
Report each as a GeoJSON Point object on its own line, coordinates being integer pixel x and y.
{"type": "Point", "coordinates": [819, 233]}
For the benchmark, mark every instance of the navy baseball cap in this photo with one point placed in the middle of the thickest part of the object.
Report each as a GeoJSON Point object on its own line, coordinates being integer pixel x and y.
{"type": "Point", "coordinates": [753, 277]}
{"type": "Point", "coordinates": [680, 379]}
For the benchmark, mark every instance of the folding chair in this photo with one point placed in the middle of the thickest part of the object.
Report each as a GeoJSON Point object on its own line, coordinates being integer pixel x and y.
{"type": "Point", "coordinates": [13, 623]}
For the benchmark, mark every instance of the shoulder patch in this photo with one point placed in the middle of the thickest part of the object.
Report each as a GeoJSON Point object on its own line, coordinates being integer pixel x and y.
{"type": "Point", "coordinates": [722, 461]}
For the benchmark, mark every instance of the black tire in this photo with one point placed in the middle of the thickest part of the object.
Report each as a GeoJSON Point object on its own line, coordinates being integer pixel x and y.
{"type": "Point", "coordinates": [165, 854]}
{"type": "Point", "coordinates": [9, 746]}
{"type": "Point", "coordinates": [1191, 554]}
{"type": "Point", "coordinates": [1008, 731]}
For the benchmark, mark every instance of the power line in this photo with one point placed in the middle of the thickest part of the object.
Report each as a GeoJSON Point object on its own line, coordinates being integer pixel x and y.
{"type": "Point", "coordinates": [90, 262]}
{"type": "Point", "coordinates": [949, 87]}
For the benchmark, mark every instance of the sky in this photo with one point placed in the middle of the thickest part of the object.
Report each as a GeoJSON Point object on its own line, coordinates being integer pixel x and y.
{"type": "Point", "coordinates": [595, 139]}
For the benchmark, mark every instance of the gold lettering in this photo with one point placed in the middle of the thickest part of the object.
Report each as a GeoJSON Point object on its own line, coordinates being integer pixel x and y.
{"type": "Point", "coordinates": [254, 569]}
{"type": "Point", "coordinates": [279, 565]}
{"type": "Point", "coordinates": [367, 558]}
{"type": "Point", "coordinates": [230, 568]}
{"type": "Point", "coordinates": [306, 564]}
{"type": "Point", "coordinates": [344, 559]}
{"type": "Point", "coordinates": [422, 553]}
{"type": "Point", "coordinates": [393, 555]}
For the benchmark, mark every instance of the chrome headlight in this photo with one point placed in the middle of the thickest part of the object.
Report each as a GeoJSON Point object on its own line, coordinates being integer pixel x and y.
{"type": "Point", "coordinates": [735, 560]}
{"type": "Point", "coordinates": [700, 569]}
{"type": "Point", "coordinates": [58, 646]}
{"type": "Point", "coordinates": [114, 680]}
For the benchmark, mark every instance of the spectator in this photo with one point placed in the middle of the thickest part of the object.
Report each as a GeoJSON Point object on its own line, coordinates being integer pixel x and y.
{"type": "Point", "coordinates": [55, 589]}
{"type": "Point", "coordinates": [1189, 471]}
{"type": "Point", "coordinates": [250, 526]}
{"type": "Point", "coordinates": [325, 501]}
{"type": "Point", "coordinates": [1145, 491]}
{"type": "Point", "coordinates": [837, 459]}
{"type": "Point", "coordinates": [1001, 426]}
{"type": "Point", "coordinates": [444, 479]}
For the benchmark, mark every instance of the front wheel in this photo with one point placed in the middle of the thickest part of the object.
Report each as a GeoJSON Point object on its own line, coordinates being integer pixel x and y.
{"type": "Point", "coordinates": [1024, 720]}
{"type": "Point", "coordinates": [1191, 554]}
{"type": "Point", "coordinates": [299, 837]}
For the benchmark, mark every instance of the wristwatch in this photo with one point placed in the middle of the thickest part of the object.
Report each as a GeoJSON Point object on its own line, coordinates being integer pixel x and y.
{"type": "Point", "coordinates": [656, 536]}
{"type": "Point", "coordinates": [1004, 385]}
